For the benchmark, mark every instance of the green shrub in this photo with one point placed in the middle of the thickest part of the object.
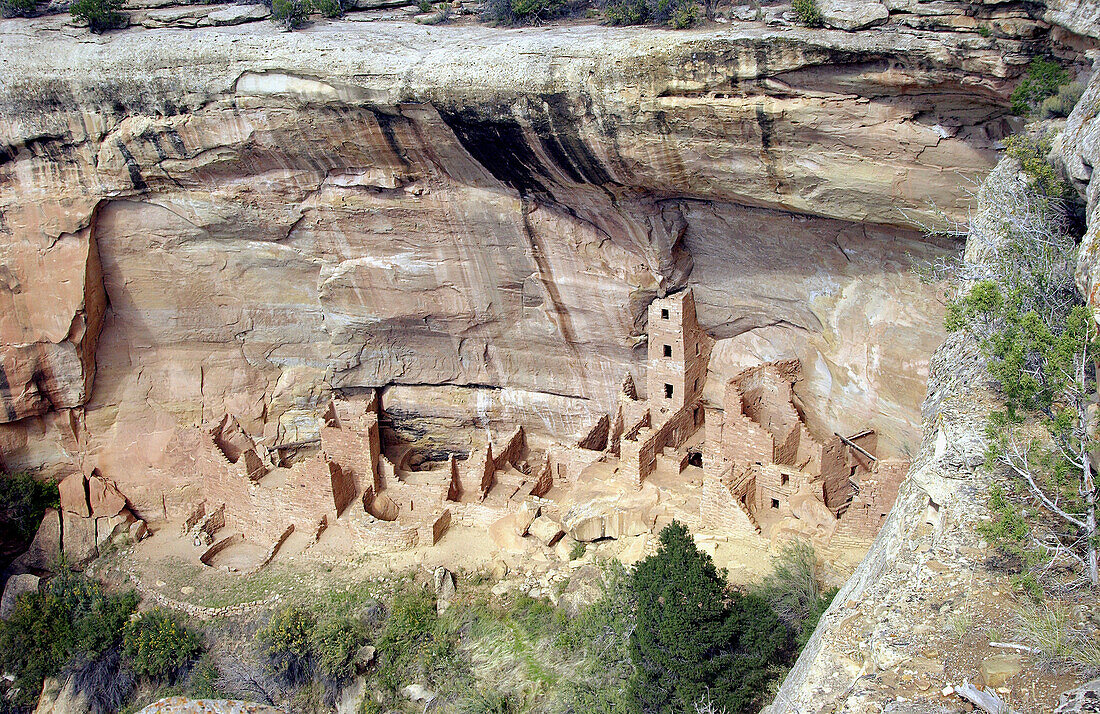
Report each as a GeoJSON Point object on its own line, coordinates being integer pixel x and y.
{"type": "Point", "coordinates": [100, 15]}
{"type": "Point", "coordinates": [984, 31]}
{"type": "Point", "coordinates": [495, 12]}
{"type": "Point", "coordinates": [1032, 153]}
{"type": "Point", "coordinates": [807, 12]}
{"type": "Point", "coordinates": [203, 682]}
{"type": "Point", "coordinates": [684, 16]}
{"type": "Point", "coordinates": [408, 633]}
{"type": "Point", "coordinates": [626, 12]}
{"type": "Point", "coordinates": [285, 642]}
{"type": "Point", "coordinates": [692, 637]}
{"type": "Point", "coordinates": [416, 645]}
{"type": "Point", "coordinates": [534, 615]}
{"type": "Point", "coordinates": [18, 8]}
{"type": "Point", "coordinates": [578, 550]}
{"type": "Point", "coordinates": [794, 591]}
{"type": "Point", "coordinates": [335, 642]}
{"type": "Point", "coordinates": [1041, 81]}
{"type": "Point", "coordinates": [290, 13]}
{"type": "Point", "coordinates": [23, 502]}
{"type": "Point", "coordinates": [678, 14]}
{"type": "Point", "coordinates": [532, 10]}
{"type": "Point", "coordinates": [601, 635]}
{"type": "Point", "coordinates": [71, 621]}
{"type": "Point", "coordinates": [309, 699]}
{"type": "Point", "coordinates": [488, 701]}
{"type": "Point", "coordinates": [329, 8]}
{"type": "Point", "coordinates": [1063, 101]}
{"type": "Point", "coordinates": [524, 12]}
{"type": "Point", "coordinates": [159, 644]}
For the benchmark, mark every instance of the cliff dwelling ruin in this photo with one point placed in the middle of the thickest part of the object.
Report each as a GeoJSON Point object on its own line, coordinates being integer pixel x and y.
{"type": "Point", "coordinates": [747, 468]}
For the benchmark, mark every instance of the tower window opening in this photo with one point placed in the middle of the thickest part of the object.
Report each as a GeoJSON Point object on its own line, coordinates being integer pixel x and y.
{"type": "Point", "coordinates": [775, 503]}
{"type": "Point", "coordinates": [668, 350]}
{"type": "Point", "coordinates": [668, 391]}
{"type": "Point", "coordinates": [664, 313]}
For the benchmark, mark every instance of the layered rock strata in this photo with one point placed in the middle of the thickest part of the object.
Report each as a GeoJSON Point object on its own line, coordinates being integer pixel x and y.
{"type": "Point", "coordinates": [240, 220]}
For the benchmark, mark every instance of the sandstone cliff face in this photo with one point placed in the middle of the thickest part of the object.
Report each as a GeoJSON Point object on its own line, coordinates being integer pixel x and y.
{"type": "Point", "coordinates": [240, 219]}
{"type": "Point", "coordinates": [928, 561]}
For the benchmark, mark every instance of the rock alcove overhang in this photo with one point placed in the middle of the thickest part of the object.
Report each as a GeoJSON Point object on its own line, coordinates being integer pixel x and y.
{"type": "Point", "coordinates": [474, 219]}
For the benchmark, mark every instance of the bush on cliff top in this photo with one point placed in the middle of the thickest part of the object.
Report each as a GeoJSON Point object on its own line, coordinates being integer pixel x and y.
{"type": "Point", "coordinates": [18, 8]}
{"type": "Point", "coordinates": [1042, 80]}
{"type": "Point", "coordinates": [807, 12]}
{"type": "Point", "coordinates": [100, 15]}
{"type": "Point", "coordinates": [290, 13]}
{"type": "Point", "coordinates": [677, 14]}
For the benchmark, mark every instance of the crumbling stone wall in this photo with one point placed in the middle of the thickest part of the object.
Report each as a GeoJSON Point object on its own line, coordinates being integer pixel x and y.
{"type": "Point", "coordinates": [639, 456]}
{"type": "Point", "coordinates": [722, 510]}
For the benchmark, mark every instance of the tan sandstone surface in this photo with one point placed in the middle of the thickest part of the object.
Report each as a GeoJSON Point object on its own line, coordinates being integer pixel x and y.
{"type": "Point", "coordinates": [241, 220]}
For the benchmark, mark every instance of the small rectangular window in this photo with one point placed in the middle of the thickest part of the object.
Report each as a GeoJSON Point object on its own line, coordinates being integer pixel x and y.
{"type": "Point", "coordinates": [668, 391]}
{"type": "Point", "coordinates": [664, 313]}
{"type": "Point", "coordinates": [668, 350]}
{"type": "Point", "coordinates": [784, 479]}
{"type": "Point", "coordinates": [775, 503]}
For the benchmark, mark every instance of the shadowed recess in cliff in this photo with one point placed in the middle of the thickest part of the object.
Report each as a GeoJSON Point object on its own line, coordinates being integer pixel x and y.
{"type": "Point", "coordinates": [500, 144]}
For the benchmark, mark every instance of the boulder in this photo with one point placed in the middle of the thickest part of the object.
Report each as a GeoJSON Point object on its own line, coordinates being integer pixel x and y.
{"type": "Point", "coordinates": [524, 517]}
{"type": "Point", "coordinates": [444, 589]}
{"type": "Point", "coordinates": [183, 705]}
{"type": "Point", "coordinates": [104, 498]}
{"type": "Point", "coordinates": [418, 693]}
{"type": "Point", "coordinates": [238, 14]}
{"type": "Point", "coordinates": [73, 490]}
{"type": "Point", "coordinates": [364, 656]}
{"type": "Point", "coordinates": [78, 539]}
{"type": "Point", "coordinates": [16, 586]}
{"type": "Point", "coordinates": [563, 549]}
{"type": "Point", "coordinates": [634, 551]}
{"type": "Point", "coordinates": [546, 531]}
{"type": "Point", "coordinates": [999, 668]}
{"type": "Point", "coordinates": [852, 15]}
{"type": "Point", "coordinates": [603, 519]}
{"type": "Point", "coordinates": [58, 699]}
{"type": "Point", "coordinates": [585, 587]}
{"type": "Point", "coordinates": [1079, 699]}
{"type": "Point", "coordinates": [138, 530]}
{"type": "Point", "coordinates": [108, 528]}
{"type": "Point", "coordinates": [46, 546]}
{"type": "Point", "coordinates": [507, 533]}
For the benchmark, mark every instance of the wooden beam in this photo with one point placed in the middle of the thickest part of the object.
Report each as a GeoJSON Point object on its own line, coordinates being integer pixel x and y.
{"type": "Point", "coordinates": [856, 446]}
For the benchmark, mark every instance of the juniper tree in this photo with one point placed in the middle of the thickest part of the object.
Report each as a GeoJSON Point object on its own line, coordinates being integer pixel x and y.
{"type": "Point", "coordinates": [695, 638]}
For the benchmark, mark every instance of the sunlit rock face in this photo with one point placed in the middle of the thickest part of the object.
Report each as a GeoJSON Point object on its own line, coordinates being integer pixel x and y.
{"type": "Point", "coordinates": [243, 220]}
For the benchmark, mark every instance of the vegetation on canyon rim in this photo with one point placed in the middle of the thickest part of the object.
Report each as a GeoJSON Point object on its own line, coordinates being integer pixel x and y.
{"type": "Point", "coordinates": [635, 647]}
{"type": "Point", "coordinates": [1020, 302]}
{"type": "Point", "coordinates": [103, 15]}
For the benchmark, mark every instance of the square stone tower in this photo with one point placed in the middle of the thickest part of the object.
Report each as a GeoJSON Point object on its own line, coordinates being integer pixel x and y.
{"type": "Point", "coordinates": [678, 354]}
